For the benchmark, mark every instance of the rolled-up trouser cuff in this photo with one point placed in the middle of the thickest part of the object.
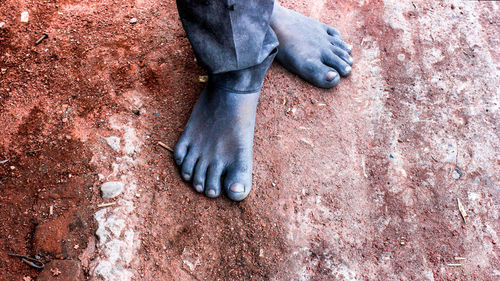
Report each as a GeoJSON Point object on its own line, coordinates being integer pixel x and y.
{"type": "Point", "coordinates": [244, 81]}
{"type": "Point", "coordinates": [228, 35]}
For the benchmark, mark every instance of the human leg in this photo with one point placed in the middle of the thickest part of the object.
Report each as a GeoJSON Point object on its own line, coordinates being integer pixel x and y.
{"type": "Point", "coordinates": [236, 45]}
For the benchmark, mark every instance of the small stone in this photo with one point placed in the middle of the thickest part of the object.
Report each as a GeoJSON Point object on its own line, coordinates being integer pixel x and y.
{"type": "Point", "coordinates": [133, 20]}
{"type": "Point", "coordinates": [111, 189]}
{"type": "Point", "coordinates": [2, 24]}
{"type": "Point", "coordinates": [401, 57]}
{"type": "Point", "coordinates": [456, 174]}
{"type": "Point", "coordinates": [113, 142]}
{"type": "Point", "coordinates": [25, 16]}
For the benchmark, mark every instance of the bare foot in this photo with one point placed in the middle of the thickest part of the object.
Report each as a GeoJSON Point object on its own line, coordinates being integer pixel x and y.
{"type": "Point", "coordinates": [217, 143]}
{"type": "Point", "coordinates": [216, 147]}
{"type": "Point", "coordinates": [309, 48]}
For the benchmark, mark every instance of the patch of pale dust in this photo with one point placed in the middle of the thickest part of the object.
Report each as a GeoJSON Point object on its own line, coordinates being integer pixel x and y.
{"type": "Point", "coordinates": [132, 143]}
{"type": "Point", "coordinates": [317, 8]}
{"type": "Point", "coordinates": [394, 17]}
{"type": "Point", "coordinates": [118, 241]}
{"type": "Point", "coordinates": [432, 56]}
{"type": "Point", "coordinates": [370, 99]}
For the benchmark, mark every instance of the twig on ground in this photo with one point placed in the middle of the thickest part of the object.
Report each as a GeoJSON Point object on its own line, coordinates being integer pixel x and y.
{"type": "Point", "coordinates": [44, 36]}
{"type": "Point", "coordinates": [165, 146]}
{"type": "Point", "coordinates": [461, 209]}
{"type": "Point", "coordinates": [106, 205]}
{"type": "Point", "coordinates": [36, 263]}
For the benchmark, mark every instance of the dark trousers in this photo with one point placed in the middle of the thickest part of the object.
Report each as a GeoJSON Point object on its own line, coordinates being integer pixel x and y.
{"type": "Point", "coordinates": [231, 39]}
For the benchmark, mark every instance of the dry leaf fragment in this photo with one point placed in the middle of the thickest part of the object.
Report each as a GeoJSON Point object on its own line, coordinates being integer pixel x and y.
{"type": "Point", "coordinates": [55, 271]}
{"type": "Point", "coordinates": [203, 78]}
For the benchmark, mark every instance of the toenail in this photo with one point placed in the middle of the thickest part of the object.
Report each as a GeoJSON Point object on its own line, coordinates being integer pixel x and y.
{"type": "Point", "coordinates": [211, 192]}
{"type": "Point", "coordinates": [347, 69]}
{"type": "Point", "coordinates": [237, 187]}
{"type": "Point", "coordinates": [198, 188]}
{"type": "Point", "coordinates": [187, 176]}
{"type": "Point", "coordinates": [350, 59]}
{"type": "Point", "coordinates": [349, 47]}
{"type": "Point", "coordinates": [331, 75]}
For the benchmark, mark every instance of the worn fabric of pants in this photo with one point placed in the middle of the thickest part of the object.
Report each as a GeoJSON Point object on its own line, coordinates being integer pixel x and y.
{"type": "Point", "coordinates": [229, 36]}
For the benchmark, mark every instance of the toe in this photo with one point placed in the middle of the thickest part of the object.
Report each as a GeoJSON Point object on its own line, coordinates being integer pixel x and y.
{"type": "Point", "coordinates": [200, 173]}
{"type": "Point", "coordinates": [188, 164]}
{"type": "Point", "coordinates": [212, 183]}
{"type": "Point", "coordinates": [238, 182]}
{"type": "Point", "coordinates": [319, 74]}
{"type": "Point", "coordinates": [337, 41]}
{"type": "Point", "coordinates": [342, 54]}
{"type": "Point", "coordinates": [332, 31]}
{"type": "Point", "coordinates": [180, 151]}
{"type": "Point", "coordinates": [336, 62]}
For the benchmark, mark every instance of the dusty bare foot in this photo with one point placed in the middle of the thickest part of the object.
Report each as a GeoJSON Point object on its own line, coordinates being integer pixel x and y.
{"type": "Point", "coordinates": [309, 48]}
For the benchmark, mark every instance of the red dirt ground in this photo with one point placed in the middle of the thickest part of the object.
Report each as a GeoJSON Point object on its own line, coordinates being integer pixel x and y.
{"type": "Point", "coordinates": [354, 183]}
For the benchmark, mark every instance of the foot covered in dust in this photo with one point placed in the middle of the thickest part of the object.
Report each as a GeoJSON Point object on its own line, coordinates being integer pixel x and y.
{"type": "Point", "coordinates": [309, 48]}
{"type": "Point", "coordinates": [215, 149]}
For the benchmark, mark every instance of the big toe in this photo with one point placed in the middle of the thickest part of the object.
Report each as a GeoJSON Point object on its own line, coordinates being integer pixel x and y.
{"type": "Point", "coordinates": [321, 75]}
{"type": "Point", "coordinates": [238, 182]}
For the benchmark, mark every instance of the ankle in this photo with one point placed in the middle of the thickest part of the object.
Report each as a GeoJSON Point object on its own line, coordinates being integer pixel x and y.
{"type": "Point", "coordinates": [243, 81]}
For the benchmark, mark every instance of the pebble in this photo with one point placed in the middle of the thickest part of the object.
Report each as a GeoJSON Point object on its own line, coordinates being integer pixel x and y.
{"type": "Point", "coordinates": [2, 24]}
{"type": "Point", "coordinates": [456, 174]}
{"type": "Point", "coordinates": [133, 20]}
{"type": "Point", "coordinates": [113, 142]}
{"type": "Point", "coordinates": [25, 16]}
{"type": "Point", "coordinates": [111, 189]}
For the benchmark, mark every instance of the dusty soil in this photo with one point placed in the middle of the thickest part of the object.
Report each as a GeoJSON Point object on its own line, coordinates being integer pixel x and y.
{"type": "Point", "coordinates": [360, 182]}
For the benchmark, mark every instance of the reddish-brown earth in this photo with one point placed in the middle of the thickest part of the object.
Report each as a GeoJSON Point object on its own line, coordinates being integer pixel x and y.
{"type": "Point", "coordinates": [354, 183]}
